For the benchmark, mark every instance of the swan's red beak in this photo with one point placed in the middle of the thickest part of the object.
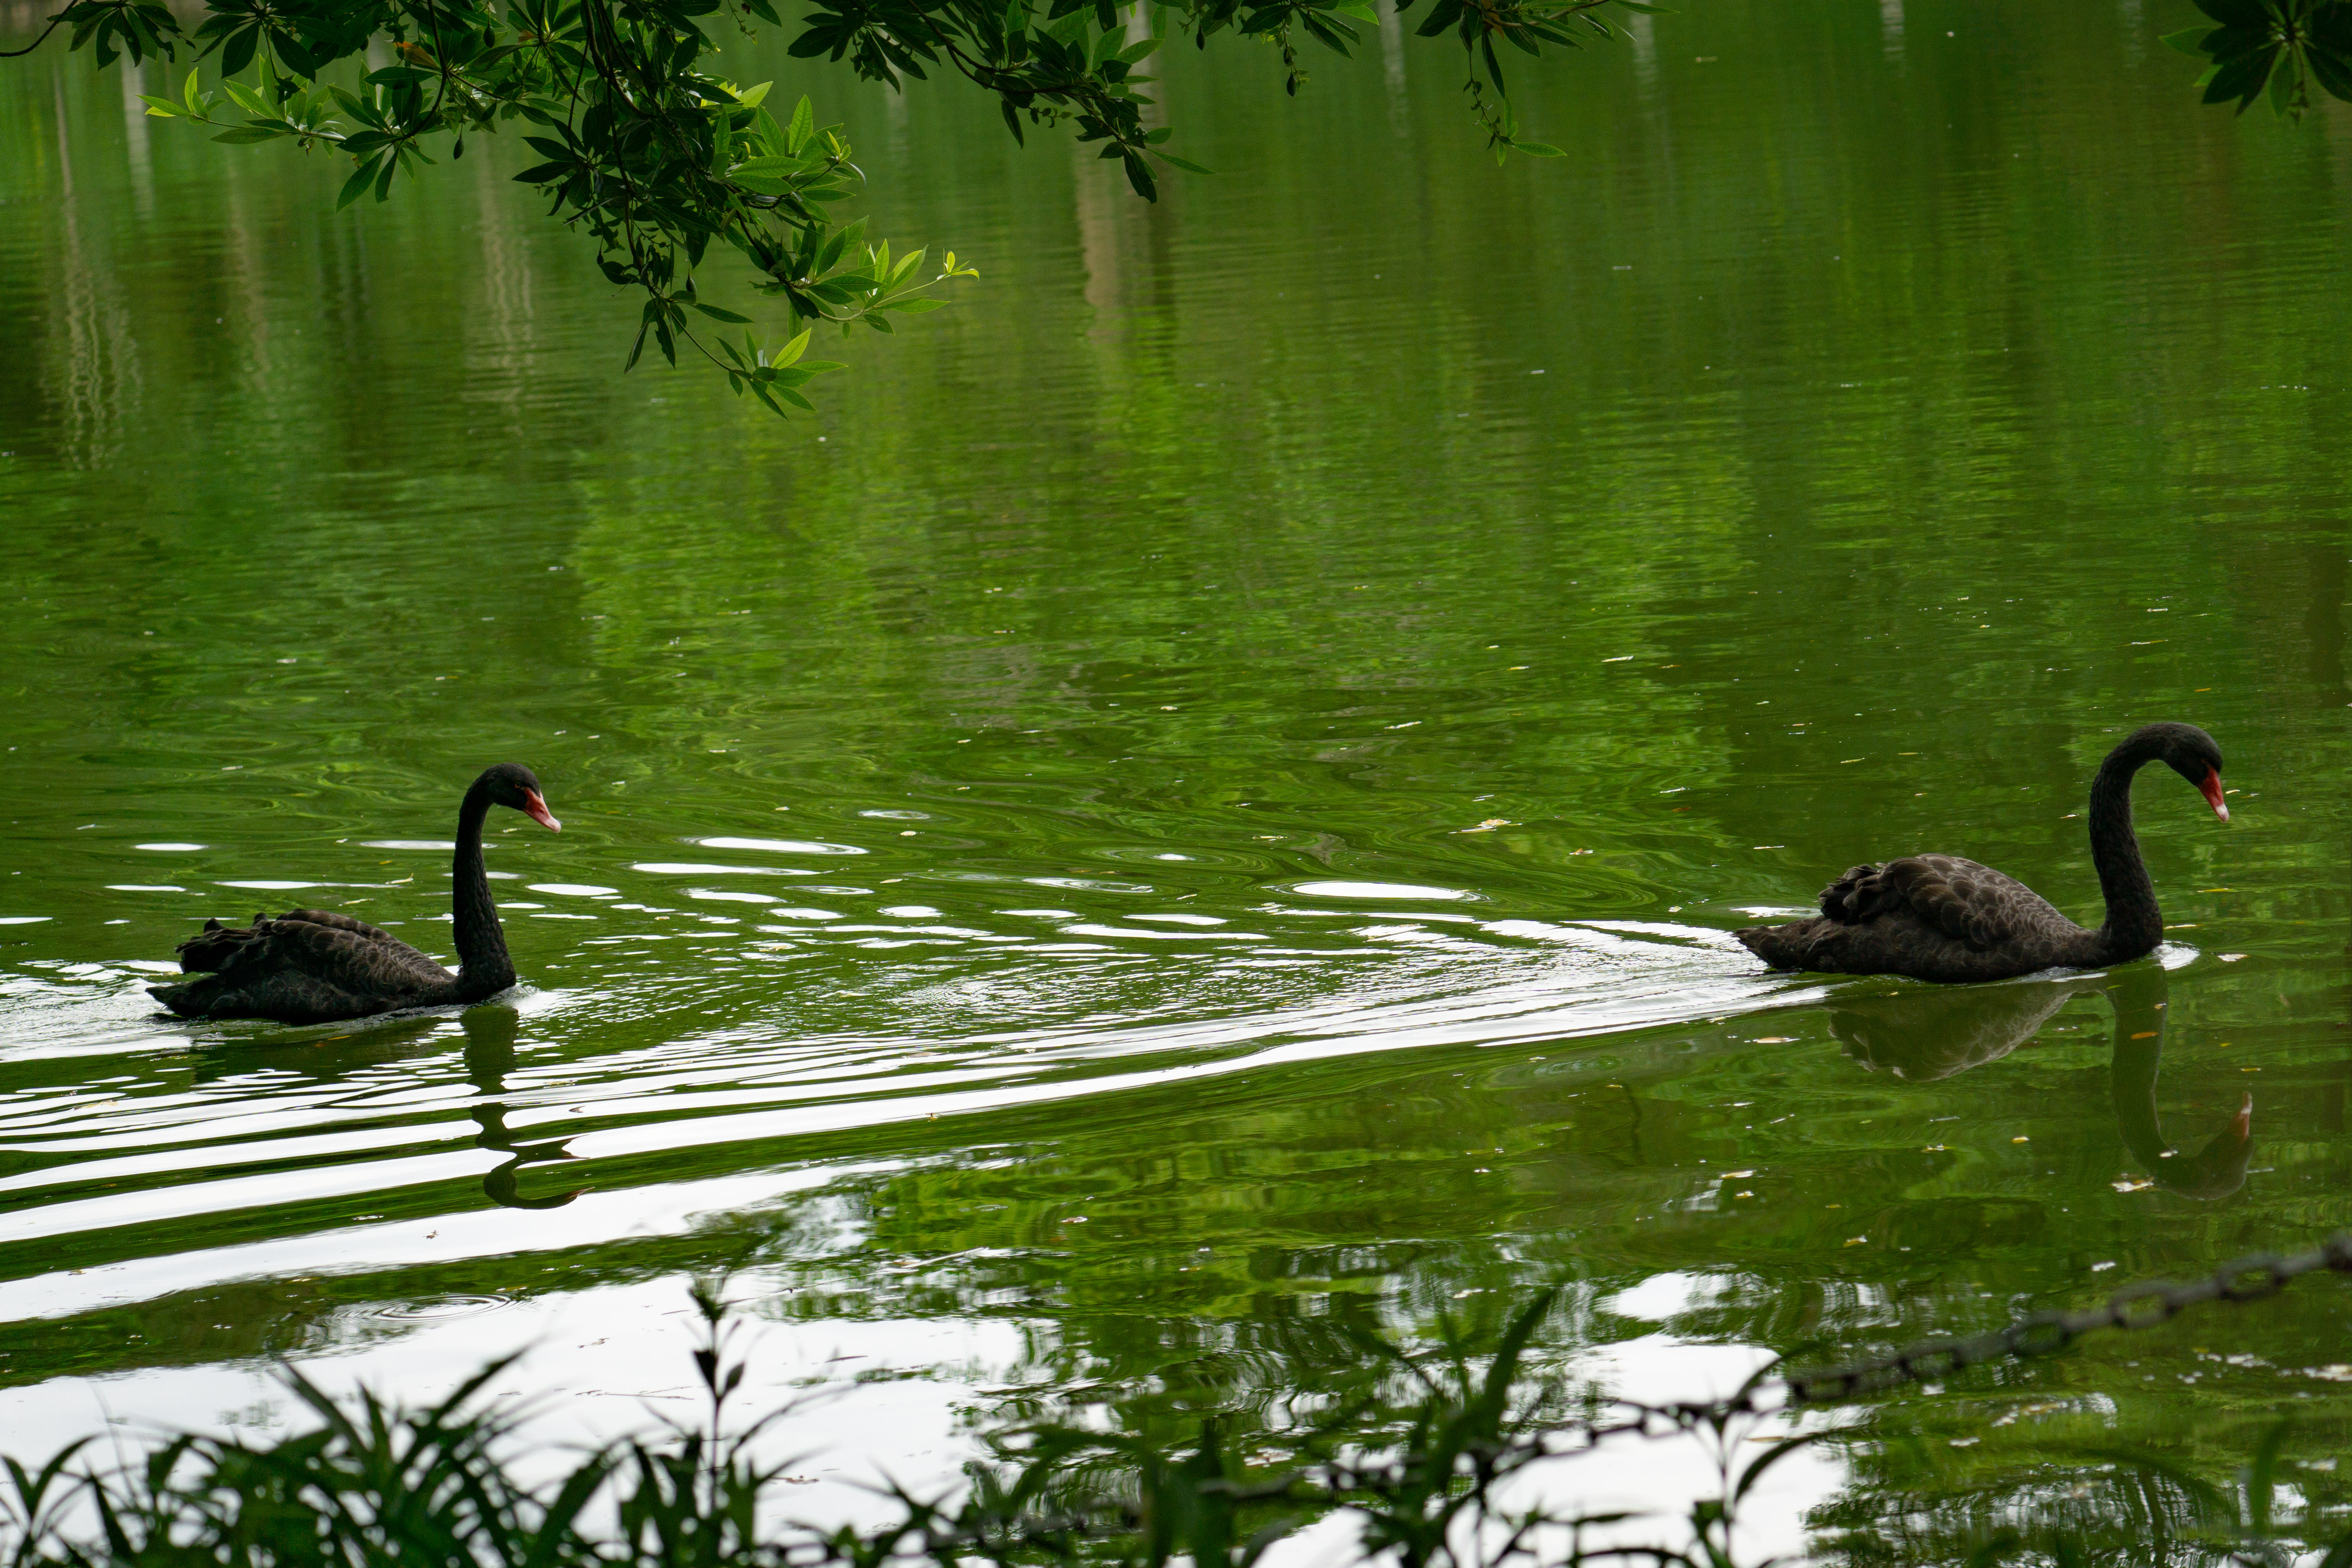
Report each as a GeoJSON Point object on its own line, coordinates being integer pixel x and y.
{"type": "Point", "coordinates": [2213, 791]}
{"type": "Point", "coordinates": [535, 805]}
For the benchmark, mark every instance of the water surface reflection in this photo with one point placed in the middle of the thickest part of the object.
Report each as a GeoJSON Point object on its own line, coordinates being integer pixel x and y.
{"type": "Point", "coordinates": [1096, 894]}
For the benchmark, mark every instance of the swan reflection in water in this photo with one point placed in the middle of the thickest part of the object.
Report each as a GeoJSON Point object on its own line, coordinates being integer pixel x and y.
{"type": "Point", "coordinates": [490, 1057]}
{"type": "Point", "coordinates": [1923, 1036]}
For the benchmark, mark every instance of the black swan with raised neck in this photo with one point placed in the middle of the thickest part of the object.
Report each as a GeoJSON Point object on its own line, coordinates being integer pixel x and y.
{"type": "Point", "coordinates": [315, 966]}
{"type": "Point", "coordinates": [1938, 917]}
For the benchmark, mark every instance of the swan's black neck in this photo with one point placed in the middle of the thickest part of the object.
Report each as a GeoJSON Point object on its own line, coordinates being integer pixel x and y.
{"type": "Point", "coordinates": [2134, 924]}
{"type": "Point", "coordinates": [483, 967]}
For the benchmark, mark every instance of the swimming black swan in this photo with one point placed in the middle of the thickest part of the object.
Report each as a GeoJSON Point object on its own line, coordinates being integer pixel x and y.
{"type": "Point", "coordinates": [1938, 917]}
{"type": "Point", "coordinates": [313, 966]}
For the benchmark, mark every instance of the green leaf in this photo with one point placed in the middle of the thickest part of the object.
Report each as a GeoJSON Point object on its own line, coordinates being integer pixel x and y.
{"type": "Point", "coordinates": [771, 135]}
{"type": "Point", "coordinates": [2282, 94]}
{"type": "Point", "coordinates": [356, 186]}
{"type": "Point", "coordinates": [1445, 14]}
{"type": "Point", "coordinates": [837, 244]}
{"type": "Point", "coordinates": [2236, 13]}
{"type": "Point", "coordinates": [1186, 164]}
{"type": "Point", "coordinates": [716, 314]}
{"type": "Point", "coordinates": [2261, 1476]}
{"type": "Point", "coordinates": [803, 127]}
{"type": "Point", "coordinates": [751, 97]}
{"type": "Point", "coordinates": [915, 307]}
{"type": "Point", "coordinates": [2242, 79]}
{"type": "Point", "coordinates": [1755, 1472]}
{"type": "Point", "coordinates": [162, 108]}
{"type": "Point", "coordinates": [1138, 174]}
{"type": "Point", "coordinates": [794, 349]}
{"type": "Point", "coordinates": [245, 97]}
{"type": "Point", "coordinates": [2230, 43]}
{"type": "Point", "coordinates": [2333, 73]}
{"type": "Point", "coordinates": [1539, 149]}
{"type": "Point", "coordinates": [237, 53]}
{"type": "Point", "coordinates": [249, 133]}
{"type": "Point", "coordinates": [2189, 40]}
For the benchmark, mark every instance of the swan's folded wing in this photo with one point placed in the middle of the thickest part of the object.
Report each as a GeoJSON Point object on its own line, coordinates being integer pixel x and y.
{"type": "Point", "coordinates": [373, 965]}
{"type": "Point", "coordinates": [217, 946]}
{"type": "Point", "coordinates": [1966, 902]}
{"type": "Point", "coordinates": [334, 922]}
{"type": "Point", "coordinates": [1858, 895]}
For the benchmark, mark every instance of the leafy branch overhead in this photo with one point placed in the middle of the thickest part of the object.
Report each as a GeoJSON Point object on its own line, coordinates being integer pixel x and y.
{"type": "Point", "coordinates": [659, 159]}
{"type": "Point", "coordinates": [2274, 47]}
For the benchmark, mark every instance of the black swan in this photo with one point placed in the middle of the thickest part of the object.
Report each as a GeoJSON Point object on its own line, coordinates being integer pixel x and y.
{"type": "Point", "coordinates": [314, 966]}
{"type": "Point", "coordinates": [1938, 917]}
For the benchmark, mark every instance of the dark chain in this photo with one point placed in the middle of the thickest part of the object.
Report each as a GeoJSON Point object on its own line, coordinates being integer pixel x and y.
{"type": "Point", "coordinates": [2134, 1307]}
{"type": "Point", "coordinates": [2045, 1334]}
{"type": "Point", "coordinates": [1345, 1481]}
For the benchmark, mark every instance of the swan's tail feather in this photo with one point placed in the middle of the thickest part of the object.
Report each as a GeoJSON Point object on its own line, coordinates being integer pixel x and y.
{"type": "Point", "coordinates": [1780, 947]}
{"type": "Point", "coordinates": [1855, 896]}
{"type": "Point", "coordinates": [196, 998]}
{"type": "Point", "coordinates": [217, 946]}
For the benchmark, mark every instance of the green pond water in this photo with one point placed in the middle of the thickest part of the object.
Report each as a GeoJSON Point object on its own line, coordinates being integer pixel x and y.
{"type": "Point", "coordinates": [1196, 807]}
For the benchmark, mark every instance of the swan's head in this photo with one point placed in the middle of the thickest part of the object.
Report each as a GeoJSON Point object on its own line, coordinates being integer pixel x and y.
{"type": "Point", "coordinates": [2190, 752]}
{"type": "Point", "coordinates": [512, 785]}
